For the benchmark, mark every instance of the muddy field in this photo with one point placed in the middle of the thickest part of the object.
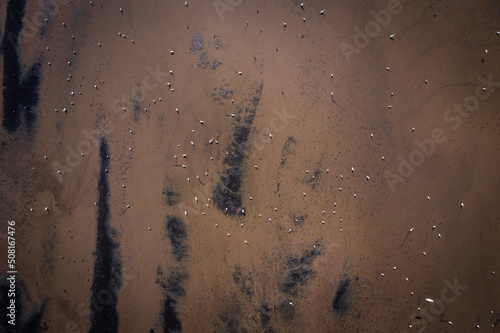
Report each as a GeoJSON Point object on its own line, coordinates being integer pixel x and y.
{"type": "Point", "coordinates": [250, 166]}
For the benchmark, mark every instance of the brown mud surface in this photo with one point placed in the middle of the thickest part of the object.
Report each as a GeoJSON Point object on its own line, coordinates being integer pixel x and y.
{"type": "Point", "coordinates": [292, 209]}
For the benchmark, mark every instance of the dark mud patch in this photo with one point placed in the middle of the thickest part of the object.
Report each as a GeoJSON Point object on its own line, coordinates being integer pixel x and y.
{"type": "Point", "coordinates": [136, 106]}
{"type": "Point", "coordinates": [232, 316]}
{"type": "Point", "coordinates": [217, 40]}
{"type": "Point", "coordinates": [203, 61]}
{"type": "Point", "coordinates": [173, 284]}
{"type": "Point", "coordinates": [172, 197]}
{"type": "Point", "coordinates": [226, 195]}
{"type": "Point", "coordinates": [288, 149]}
{"type": "Point", "coordinates": [287, 312]}
{"type": "Point", "coordinates": [170, 317]}
{"type": "Point", "coordinates": [196, 44]}
{"type": "Point", "coordinates": [299, 219]}
{"type": "Point", "coordinates": [28, 318]}
{"type": "Point", "coordinates": [222, 92]}
{"type": "Point", "coordinates": [244, 281]}
{"type": "Point", "coordinates": [313, 180]}
{"type": "Point", "coordinates": [266, 310]}
{"type": "Point", "coordinates": [177, 233]}
{"type": "Point", "coordinates": [173, 288]}
{"type": "Point", "coordinates": [300, 270]}
{"type": "Point", "coordinates": [340, 303]}
{"type": "Point", "coordinates": [107, 267]}
{"type": "Point", "coordinates": [20, 92]}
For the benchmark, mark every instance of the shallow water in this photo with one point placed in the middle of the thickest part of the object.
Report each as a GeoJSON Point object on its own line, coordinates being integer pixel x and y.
{"type": "Point", "coordinates": [316, 235]}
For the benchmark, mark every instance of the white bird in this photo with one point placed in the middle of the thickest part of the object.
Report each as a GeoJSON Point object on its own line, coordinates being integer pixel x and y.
{"type": "Point", "coordinates": [240, 73]}
{"type": "Point", "coordinates": [270, 136]}
{"type": "Point", "coordinates": [171, 52]}
{"type": "Point", "coordinates": [322, 12]}
{"type": "Point", "coordinates": [289, 230]}
{"type": "Point", "coordinates": [202, 122]}
{"type": "Point", "coordinates": [412, 228]}
{"type": "Point", "coordinates": [290, 303]}
{"type": "Point", "coordinates": [367, 177]}
{"type": "Point", "coordinates": [462, 205]}
{"type": "Point", "coordinates": [284, 24]}
{"type": "Point", "coordinates": [352, 169]}
{"type": "Point", "coordinates": [392, 36]}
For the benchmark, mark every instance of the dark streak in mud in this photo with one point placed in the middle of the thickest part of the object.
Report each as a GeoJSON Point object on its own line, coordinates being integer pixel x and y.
{"type": "Point", "coordinates": [300, 270]}
{"type": "Point", "coordinates": [20, 94]}
{"type": "Point", "coordinates": [177, 233]}
{"type": "Point", "coordinates": [27, 317]}
{"type": "Point", "coordinates": [171, 322]}
{"type": "Point", "coordinates": [227, 194]}
{"type": "Point", "coordinates": [173, 289]}
{"type": "Point", "coordinates": [340, 302]}
{"type": "Point", "coordinates": [287, 150]}
{"type": "Point", "coordinates": [107, 275]}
